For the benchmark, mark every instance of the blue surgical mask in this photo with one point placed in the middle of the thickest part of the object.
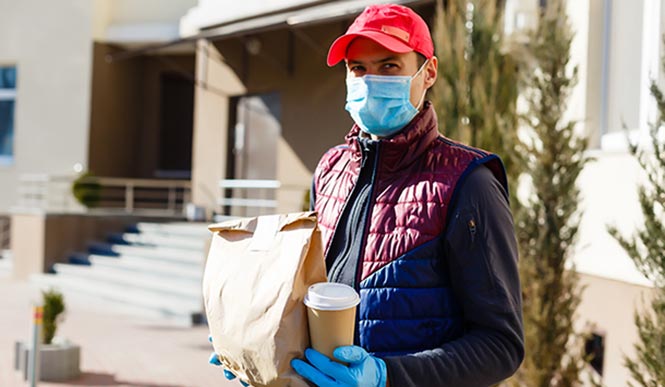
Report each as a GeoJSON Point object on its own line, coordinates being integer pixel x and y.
{"type": "Point", "coordinates": [380, 104]}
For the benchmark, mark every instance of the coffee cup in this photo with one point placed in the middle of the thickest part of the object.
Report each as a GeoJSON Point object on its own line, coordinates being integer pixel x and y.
{"type": "Point", "coordinates": [331, 311]}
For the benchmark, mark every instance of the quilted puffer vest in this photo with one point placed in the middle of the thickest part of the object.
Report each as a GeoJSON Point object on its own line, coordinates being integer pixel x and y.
{"type": "Point", "coordinates": [406, 302]}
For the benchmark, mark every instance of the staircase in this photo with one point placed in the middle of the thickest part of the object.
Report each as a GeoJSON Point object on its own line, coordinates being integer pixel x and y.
{"type": "Point", "coordinates": [5, 264]}
{"type": "Point", "coordinates": [151, 270]}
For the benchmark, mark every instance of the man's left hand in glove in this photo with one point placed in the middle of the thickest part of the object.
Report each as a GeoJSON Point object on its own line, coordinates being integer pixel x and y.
{"type": "Point", "coordinates": [363, 370]}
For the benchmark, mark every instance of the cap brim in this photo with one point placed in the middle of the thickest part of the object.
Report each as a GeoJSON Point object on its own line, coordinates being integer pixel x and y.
{"type": "Point", "coordinates": [338, 49]}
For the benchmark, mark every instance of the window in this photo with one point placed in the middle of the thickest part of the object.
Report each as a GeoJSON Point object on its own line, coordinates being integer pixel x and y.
{"type": "Point", "coordinates": [7, 103]}
{"type": "Point", "coordinates": [594, 349]}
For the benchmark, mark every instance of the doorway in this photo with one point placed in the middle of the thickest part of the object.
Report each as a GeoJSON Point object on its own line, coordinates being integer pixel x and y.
{"type": "Point", "coordinates": [176, 127]}
{"type": "Point", "coordinates": [254, 133]}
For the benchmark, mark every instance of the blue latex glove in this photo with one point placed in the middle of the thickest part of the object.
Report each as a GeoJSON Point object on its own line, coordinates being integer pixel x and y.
{"type": "Point", "coordinates": [363, 370]}
{"type": "Point", "coordinates": [214, 360]}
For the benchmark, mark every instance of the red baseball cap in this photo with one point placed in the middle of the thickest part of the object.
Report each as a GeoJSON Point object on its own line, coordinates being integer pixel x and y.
{"type": "Point", "coordinates": [395, 27]}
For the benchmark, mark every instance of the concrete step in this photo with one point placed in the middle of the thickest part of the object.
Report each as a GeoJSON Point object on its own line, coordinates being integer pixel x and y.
{"type": "Point", "coordinates": [180, 288]}
{"type": "Point", "coordinates": [148, 265]}
{"type": "Point", "coordinates": [175, 229]}
{"type": "Point", "coordinates": [6, 266]}
{"type": "Point", "coordinates": [152, 269]}
{"type": "Point", "coordinates": [163, 253]}
{"type": "Point", "coordinates": [125, 300]}
{"type": "Point", "coordinates": [102, 248]}
{"type": "Point", "coordinates": [157, 240]}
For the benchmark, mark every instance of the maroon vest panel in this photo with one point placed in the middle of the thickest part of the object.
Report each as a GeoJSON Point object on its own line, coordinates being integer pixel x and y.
{"type": "Point", "coordinates": [417, 173]}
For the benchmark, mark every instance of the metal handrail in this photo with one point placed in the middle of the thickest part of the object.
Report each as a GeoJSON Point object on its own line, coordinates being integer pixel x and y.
{"type": "Point", "coordinates": [249, 183]}
{"type": "Point", "coordinates": [154, 183]}
{"type": "Point", "coordinates": [239, 188]}
{"type": "Point", "coordinates": [54, 193]}
{"type": "Point", "coordinates": [243, 197]}
{"type": "Point", "coordinates": [131, 185]}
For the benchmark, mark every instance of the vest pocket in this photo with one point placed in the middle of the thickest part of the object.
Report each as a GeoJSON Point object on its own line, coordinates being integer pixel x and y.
{"type": "Point", "coordinates": [464, 230]}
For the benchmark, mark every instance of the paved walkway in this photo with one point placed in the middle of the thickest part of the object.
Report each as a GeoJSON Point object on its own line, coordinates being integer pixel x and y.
{"type": "Point", "coordinates": [116, 350]}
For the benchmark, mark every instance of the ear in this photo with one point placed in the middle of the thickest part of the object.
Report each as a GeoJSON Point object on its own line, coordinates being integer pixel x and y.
{"type": "Point", "coordinates": [431, 72]}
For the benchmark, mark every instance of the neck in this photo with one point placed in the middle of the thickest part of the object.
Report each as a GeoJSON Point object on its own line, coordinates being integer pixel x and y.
{"type": "Point", "coordinates": [373, 137]}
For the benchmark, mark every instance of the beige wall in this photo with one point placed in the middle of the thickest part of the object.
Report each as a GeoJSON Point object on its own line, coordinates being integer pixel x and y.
{"type": "Point", "coordinates": [216, 83]}
{"type": "Point", "coordinates": [50, 43]}
{"type": "Point", "coordinates": [27, 244]}
{"type": "Point", "coordinates": [625, 62]}
{"type": "Point", "coordinates": [578, 13]}
{"type": "Point", "coordinates": [608, 307]}
{"type": "Point", "coordinates": [609, 197]}
{"type": "Point", "coordinates": [149, 11]}
{"type": "Point", "coordinates": [594, 61]}
{"type": "Point", "coordinates": [152, 17]}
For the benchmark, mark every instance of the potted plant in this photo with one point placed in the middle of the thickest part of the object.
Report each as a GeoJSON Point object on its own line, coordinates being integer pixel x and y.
{"type": "Point", "coordinates": [54, 306]}
{"type": "Point", "coordinates": [59, 359]}
{"type": "Point", "coordinates": [87, 190]}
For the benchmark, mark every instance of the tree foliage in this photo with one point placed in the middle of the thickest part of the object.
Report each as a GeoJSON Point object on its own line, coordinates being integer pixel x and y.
{"type": "Point", "coordinates": [477, 88]}
{"type": "Point", "coordinates": [647, 250]}
{"type": "Point", "coordinates": [548, 223]}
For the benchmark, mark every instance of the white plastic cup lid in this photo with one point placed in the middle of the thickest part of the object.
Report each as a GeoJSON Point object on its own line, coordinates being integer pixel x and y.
{"type": "Point", "coordinates": [331, 296]}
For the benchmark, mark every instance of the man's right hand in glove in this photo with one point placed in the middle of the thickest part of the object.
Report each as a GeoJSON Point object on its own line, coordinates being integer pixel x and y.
{"type": "Point", "coordinates": [214, 360]}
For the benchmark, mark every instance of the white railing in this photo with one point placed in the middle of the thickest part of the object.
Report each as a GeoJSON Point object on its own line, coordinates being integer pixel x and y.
{"type": "Point", "coordinates": [252, 197]}
{"type": "Point", "coordinates": [169, 196]}
{"type": "Point", "coordinates": [136, 196]}
{"type": "Point", "coordinates": [39, 191]}
{"type": "Point", "coordinates": [247, 188]}
{"type": "Point", "coordinates": [247, 197]}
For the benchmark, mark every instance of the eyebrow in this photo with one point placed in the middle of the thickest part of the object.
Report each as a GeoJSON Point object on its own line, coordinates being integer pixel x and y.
{"type": "Point", "coordinates": [383, 60]}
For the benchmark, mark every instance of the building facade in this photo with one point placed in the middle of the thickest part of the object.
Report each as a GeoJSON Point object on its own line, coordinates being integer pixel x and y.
{"type": "Point", "coordinates": [207, 90]}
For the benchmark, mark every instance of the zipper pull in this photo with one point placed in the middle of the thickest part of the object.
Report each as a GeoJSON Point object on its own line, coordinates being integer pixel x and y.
{"type": "Point", "coordinates": [366, 152]}
{"type": "Point", "coordinates": [472, 229]}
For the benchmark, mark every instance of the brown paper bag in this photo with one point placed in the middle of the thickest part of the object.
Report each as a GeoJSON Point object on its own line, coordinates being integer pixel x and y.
{"type": "Point", "coordinates": [257, 274]}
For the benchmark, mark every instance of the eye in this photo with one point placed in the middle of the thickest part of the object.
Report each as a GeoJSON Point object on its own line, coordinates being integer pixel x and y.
{"type": "Point", "coordinates": [357, 70]}
{"type": "Point", "coordinates": [389, 68]}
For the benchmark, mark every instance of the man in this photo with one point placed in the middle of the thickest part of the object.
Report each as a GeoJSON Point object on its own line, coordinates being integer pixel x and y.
{"type": "Point", "coordinates": [418, 224]}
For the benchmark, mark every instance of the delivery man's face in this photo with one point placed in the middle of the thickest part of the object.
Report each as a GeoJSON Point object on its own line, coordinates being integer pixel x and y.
{"type": "Point", "coordinates": [364, 56]}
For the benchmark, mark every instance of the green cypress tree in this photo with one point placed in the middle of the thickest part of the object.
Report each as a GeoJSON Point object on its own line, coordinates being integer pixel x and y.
{"type": "Point", "coordinates": [647, 250]}
{"type": "Point", "coordinates": [548, 223]}
{"type": "Point", "coordinates": [476, 93]}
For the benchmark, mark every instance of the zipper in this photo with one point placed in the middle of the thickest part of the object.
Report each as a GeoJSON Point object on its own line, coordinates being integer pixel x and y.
{"type": "Point", "coordinates": [368, 212]}
{"type": "Point", "coordinates": [346, 202]}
